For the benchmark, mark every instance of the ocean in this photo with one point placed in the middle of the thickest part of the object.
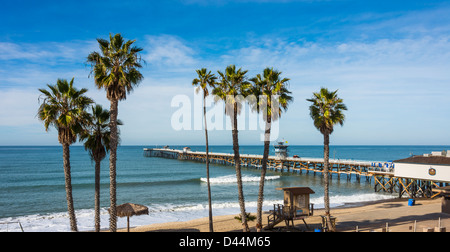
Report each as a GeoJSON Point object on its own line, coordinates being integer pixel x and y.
{"type": "Point", "coordinates": [32, 184]}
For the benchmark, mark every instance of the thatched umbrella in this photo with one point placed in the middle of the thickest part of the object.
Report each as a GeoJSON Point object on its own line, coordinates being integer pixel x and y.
{"type": "Point", "coordinates": [130, 209]}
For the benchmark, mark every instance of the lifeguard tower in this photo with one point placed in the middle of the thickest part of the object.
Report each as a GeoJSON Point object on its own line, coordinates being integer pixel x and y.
{"type": "Point", "coordinates": [186, 149]}
{"type": "Point", "coordinates": [296, 207]}
{"type": "Point", "coordinates": [281, 150]}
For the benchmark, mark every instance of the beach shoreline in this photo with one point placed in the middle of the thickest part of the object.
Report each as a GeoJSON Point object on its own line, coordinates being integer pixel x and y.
{"type": "Point", "coordinates": [367, 216]}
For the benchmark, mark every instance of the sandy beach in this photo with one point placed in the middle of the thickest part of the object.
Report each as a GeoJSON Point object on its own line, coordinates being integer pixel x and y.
{"type": "Point", "coordinates": [369, 217]}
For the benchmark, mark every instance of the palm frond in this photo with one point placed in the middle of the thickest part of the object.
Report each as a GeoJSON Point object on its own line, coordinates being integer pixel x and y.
{"type": "Point", "coordinates": [115, 67]}
{"type": "Point", "coordinates": [232, 83]}
{"type": "Point", "coordinates": [326, 110]}
{"type": "Point", "coordinates": [266, 87]}
{"type": "Point", "coordinates": [204, 81]}
{"type": "Point", "coordinates": [96, 134]}
{"type": "Point", "coordinates": [64, 108]}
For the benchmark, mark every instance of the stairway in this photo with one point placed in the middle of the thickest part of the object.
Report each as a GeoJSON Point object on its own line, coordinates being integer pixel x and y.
{"type": "Point", "coordinates": [276, 216]}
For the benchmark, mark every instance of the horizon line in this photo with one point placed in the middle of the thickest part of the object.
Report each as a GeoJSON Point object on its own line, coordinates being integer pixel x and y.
{"type": "Point", "coordinates": [130, 145]}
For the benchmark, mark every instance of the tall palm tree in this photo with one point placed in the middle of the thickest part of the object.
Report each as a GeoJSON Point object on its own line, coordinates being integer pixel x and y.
{"type": "Point", "coordinates": [267, 87]}
{"type": "Point", "coordinates": [63, 107]}
{"type": "Point", "coordinates": [206, 79]}
{"type": "Point", "coordinates": [232, 84]}
{"type": "Point", "coordinates": [97, 142]}
{"type": "Point", "coordinates": [326, 111]}
{"type": "Point", "coordinates": [115, 69]}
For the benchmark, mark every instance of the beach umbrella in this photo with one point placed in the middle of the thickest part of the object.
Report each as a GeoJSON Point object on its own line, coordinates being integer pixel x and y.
{"type": "Point", "coordinates": [130, 209]}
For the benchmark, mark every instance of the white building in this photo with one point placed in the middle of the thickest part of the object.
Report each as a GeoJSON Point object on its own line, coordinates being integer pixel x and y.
{"type": "Point", "coordinates": [434, 167]}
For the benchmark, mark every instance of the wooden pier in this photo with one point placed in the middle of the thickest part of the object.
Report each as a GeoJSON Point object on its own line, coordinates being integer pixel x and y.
{"type": "Point", "coordinates": [381, 172]}
{"type": "Point", "coordinates": [342, 168]}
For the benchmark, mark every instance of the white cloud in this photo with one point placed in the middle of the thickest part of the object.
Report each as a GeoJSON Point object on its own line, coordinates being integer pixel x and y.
{"type": "Point", "coordinates": [49, 53]}
{"type": "Point", "coordinates": [18, 107]}
{"type": "Point", "coordinates": [393, 87]}
{"type": "Point", "coordinates": [168, 50]}
{"type": "Point", "coordinates": [282, 53]}
{"type": "Point", "coordinates": [9, 51]}
{"type": "Point", "coordinates": [383, 65]}
{"type": "Point", "coordinates": [404, 82]}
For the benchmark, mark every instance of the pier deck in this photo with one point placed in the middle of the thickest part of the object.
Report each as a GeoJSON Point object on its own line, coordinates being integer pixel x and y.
{"type": "Point", "coordinates": [382, 172]}
{"type": "Point", "coordinates": [290, 164]}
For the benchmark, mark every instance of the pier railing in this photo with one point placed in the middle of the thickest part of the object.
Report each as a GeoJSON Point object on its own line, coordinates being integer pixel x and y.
{"type": "Point", "coordinates": [381, 172]}
{"type": "Point", "coordinates": [343, 167]}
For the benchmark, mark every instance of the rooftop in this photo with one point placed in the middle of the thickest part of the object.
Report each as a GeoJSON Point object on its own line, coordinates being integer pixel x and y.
{"type": "Point", "coordinates": [297, 190]}
{"type": "Point", "coordinates": [435, 160]}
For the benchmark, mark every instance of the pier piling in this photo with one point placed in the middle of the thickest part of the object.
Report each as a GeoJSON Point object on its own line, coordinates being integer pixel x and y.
{"type": "Point", "coordinates": [384, 180]}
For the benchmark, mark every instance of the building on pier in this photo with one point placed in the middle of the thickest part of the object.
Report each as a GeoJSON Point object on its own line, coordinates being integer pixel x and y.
{"type": "Point", "coordinates": [281, 150]}
{"type": "Point", "coordinates": [411, 177]}
{"type": "Point", "coordinates": [415, 176]}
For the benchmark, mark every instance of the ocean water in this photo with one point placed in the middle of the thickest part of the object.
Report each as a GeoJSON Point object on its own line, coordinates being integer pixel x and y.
{"type": "Point", "coordinates": [32, 184]}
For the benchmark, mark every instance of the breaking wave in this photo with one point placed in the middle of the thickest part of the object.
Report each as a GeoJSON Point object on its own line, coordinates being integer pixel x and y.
{"type": "Point", "coordinates": [228, 179]}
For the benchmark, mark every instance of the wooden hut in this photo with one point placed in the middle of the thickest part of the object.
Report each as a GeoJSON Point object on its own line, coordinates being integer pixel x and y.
{"type": "Point", "coordinates": [296, 199]}
{"type": "Point", "coordinates": [296, 206]}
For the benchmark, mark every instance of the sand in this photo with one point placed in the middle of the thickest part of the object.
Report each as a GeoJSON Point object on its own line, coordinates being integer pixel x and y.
{"type": "Point", "coordinates": [369, 217]}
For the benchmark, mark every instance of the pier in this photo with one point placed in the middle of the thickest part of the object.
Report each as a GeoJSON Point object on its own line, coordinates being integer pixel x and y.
{"type": "Point", "coordinates": [343, 168]}
{"type": "Point", "coordinates": [382, 173]}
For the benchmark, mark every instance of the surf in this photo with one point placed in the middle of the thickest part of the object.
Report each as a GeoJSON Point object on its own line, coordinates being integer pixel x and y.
{"type": "Point", "coordinates": [230, 179]}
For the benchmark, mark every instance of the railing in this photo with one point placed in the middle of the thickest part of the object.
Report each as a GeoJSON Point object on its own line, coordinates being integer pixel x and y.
{"type": "Point", "coordinates": [275, 216]}
{"type": "Point", "coordinates": [386, 167]}
{"type": "Point", "coordinates": [11, 222]}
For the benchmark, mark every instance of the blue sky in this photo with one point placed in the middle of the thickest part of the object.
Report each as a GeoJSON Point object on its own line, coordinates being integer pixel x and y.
{"type": "Point", "coordinates": [390, 61]}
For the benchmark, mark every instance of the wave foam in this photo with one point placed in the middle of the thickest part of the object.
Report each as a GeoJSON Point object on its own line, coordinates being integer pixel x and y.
{"type": "Point", "coordinates": [228, 179]}
{"type": "Point", "coordinates": [339, 200]}
{"type": "Point", "coordinates": [59, 222]}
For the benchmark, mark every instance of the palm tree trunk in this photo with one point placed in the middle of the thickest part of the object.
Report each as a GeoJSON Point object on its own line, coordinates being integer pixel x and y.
{"type": "Point", "coordinates": [68, 182]}
{"type": "Point", "coordinates": [112, 166]}
{"type": "Point", "coordinates": [97, 195]}
{"type": "Point", "coordinates": [207, 168]}
{"type": "Point", "coordinates": [263, 175]}
{"type": "Point", "coordinates": [237, 165]}
{"type": "Point", "coordinates": [326, 157]}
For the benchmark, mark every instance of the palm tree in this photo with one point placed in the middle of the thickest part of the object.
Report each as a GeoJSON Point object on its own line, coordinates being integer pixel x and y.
{"type": "Point", "coordinates": [115, 70]}
{"type": "Point", "coordinates": [63, 107]}
{"type": "Point", "coordinates": [97, 142]}
{"type": "Point", "coordinates": [205, 79]}
{"type": "Point", "coordinates": [267, 87]}
{"type": "Point", "coordinates": [326, 111]}
{"type": "Point", "coordinates": [232, 84]}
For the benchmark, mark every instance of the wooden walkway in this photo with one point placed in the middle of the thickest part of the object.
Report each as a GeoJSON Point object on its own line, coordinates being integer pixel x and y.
{"type": "Point", "coordinates": [346, 168]}
{"type": "Point", "coordinates": [382, 173]}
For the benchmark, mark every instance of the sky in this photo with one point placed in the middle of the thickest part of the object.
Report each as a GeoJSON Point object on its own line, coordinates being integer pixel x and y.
{"type": "Point", "coordinates": [389, 61]}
